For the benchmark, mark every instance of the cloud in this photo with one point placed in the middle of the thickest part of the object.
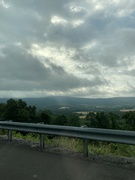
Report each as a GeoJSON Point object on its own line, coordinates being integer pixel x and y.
{"type": "Point", "coordinates": [70, 48]}
{"type": "Point", "coordinates": [23, 72]}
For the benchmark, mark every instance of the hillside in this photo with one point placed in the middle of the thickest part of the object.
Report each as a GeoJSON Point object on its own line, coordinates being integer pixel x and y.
{"type": "Point", "coordinates": [54, 103]}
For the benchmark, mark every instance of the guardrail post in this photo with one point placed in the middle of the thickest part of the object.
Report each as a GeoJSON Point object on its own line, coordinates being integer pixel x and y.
{"type": "Point", "coordinates": [85, 145]}
{"type": "Point", "coordinates": [42, 144]}
{"type": "Point", "coordinates": [10, 134]}
{"type": "Point", "coordinates": [85, 148]}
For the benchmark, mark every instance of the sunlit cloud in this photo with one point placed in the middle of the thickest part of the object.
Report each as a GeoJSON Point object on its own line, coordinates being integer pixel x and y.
{"type": "Point", "coordinates": [58, 20]}
{"type": "Point", "coordinates": [4, 4]}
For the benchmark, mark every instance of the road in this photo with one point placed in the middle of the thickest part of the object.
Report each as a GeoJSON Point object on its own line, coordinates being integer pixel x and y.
{"type": "Point", "coordinates": [19, 163]}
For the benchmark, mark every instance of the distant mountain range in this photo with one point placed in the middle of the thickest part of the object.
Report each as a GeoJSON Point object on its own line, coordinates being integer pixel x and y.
{"type": "Point", "coordinates": [56, 102]}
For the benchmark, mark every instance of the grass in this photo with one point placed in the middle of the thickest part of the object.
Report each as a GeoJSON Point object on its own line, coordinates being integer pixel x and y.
{"type": "Point", "coordinates": [76, 145]}
{"type": "Point", "coordinates": [70, 143]}
{"type": "Point", "coordinates": [112, 149]}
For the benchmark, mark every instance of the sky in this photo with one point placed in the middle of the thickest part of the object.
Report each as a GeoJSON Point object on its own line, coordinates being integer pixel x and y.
{"type": "Point", "coordinates": [67, 48]}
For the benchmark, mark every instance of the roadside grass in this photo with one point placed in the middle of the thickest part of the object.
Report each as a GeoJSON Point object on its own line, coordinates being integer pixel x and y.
{"type": "Point", "coordinates": [70, 143]}
{"type": "Point", "coordinates": [76, 145]}
{"type": "Point", "coordinates": [112, 149]}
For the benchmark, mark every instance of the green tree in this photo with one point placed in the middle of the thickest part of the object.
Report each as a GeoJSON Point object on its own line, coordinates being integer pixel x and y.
{"type": "Point", "coordinates": [32, 113]}
{"type": "Point", "coordinates": [103, 120]}
{"type": "Point", "coordinates": [60, 120]}
{"type": "Point", "coordinates": [17, 110]}
{"type": "Point", "coordinates": [11, 110]}
{"type": "Point", "coordinates": [2, 111]}
{"type": "Point", "coordinates": [129, 120]}
{"type": "Point", "coordinates": [44, 116]}
{"type": "Point", "coordinates": [91, 120]}
{"type": "Point", "coordinates": [113, 119]}
{"type": "Point", "coordinates": [73, 120]}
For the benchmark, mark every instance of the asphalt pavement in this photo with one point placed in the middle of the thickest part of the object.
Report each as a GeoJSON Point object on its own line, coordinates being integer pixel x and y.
{"type": "Point", "coordinates": [19, 163]}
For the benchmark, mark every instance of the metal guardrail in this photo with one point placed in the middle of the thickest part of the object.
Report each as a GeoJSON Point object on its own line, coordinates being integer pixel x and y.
{"type": "Point", "coordinates": [108, 135]}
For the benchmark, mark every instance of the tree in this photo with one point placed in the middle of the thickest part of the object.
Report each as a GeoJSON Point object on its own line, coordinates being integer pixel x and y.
{"type": "Point", "coordinates": [32, 113]}
{"type": "Point", "coordinates": [113, 120]}
{"type": "Point", "coordinates": [2, 111]}
{"type": "Point", "coordinates": [129, 120]}
{"type": "Point", "coordinates": [17, 110]}
{"type": "Point", "coordinates": [91, 120]}
{"type": "Point", "coordinates": [103, 120]}
{"type": "Point", "coordinates": [44, 116]}
{"type": "Point", "coordinates": [73, 120]}
{"type": "Point", "coordinates": [60, 120]}
{"type": "Point", "coordinates": [11, 110]}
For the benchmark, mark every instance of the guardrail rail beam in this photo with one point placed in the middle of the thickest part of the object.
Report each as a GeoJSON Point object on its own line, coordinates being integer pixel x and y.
{"type": "Point", "coordinates": [86, 134]}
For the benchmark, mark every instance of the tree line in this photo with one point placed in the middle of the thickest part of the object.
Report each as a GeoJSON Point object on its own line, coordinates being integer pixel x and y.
{"type": "Point", "coordinates": [19, 111]}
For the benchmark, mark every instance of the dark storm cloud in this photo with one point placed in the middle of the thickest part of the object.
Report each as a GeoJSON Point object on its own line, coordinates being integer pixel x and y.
{"type": "Point", "coordinates": [17, 64]}
{"type": "Point", "coordinates": [21, 71]}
